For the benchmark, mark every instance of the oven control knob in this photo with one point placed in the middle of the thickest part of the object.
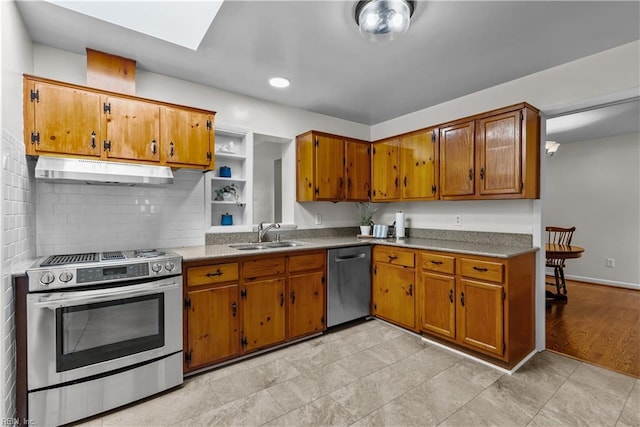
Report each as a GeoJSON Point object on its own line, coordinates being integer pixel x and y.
{"type": "Point", "coordinates": [156, 267]}
{"type": "Point", "coordinates": [65, 276]}
{"type": "Point", "coordinates": [47, 278]}
{"type": "Point", "coordinates": [169, 266]}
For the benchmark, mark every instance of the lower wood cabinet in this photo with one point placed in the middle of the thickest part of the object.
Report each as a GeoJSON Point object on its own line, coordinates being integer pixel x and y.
{"type": "Point", "coordinates": [394, 285]}
{"type": "Point", "coordinates": [481, 304]}
{"type": "Point", "coordinates": [234, 307]}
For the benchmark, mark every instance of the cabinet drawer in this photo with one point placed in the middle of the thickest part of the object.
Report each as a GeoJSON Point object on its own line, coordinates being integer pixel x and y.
{"type": "Point", "coordinates": [306, 262]}
{"type": "Point", "coordinates": [439, 263]}
{"type": "Point", "coordinates": [216, 273]}
{"type": "Point", "coordinates": [393, 256]}
{"type": "Point", "coordinates": [485, 270]}
{"type": "Point", "coordinates": [263, 267]}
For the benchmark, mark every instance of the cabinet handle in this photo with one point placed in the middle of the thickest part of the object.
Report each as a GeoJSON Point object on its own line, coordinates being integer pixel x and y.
{"type": "Point", "coordinates": [341, 182]}
{"type": "Point", "coordinates": [171, 149]}
{"type": "Point", "coordinates": [433, 261]}
{"type": "Point", "coordinates": [349, 183]}
{"type": "Point", "coordinates": [217, 273]}
{"type": "Point", "coordinates": [396, 182]}
{"type": "Point", "coordinates": [293, 297]}
{"type": "Point", "coordinates": [410, 289]}
{"type": "Point", "coordinates": [482, 172]}
{"type": "Point", "coordinates": [470, 174]}
{"type": "Point", "coordinates": [451, 296]}
{"type": "Point", "coordinates": [93, 139]}
{"type": "Point", "coordinates": [405, 181]}
{"type": "Point", "coordinates": [281, 299]}
{"type": "Point", "coordinates": [462, 298]}
{"type": "Point", "coordinates": [153, 146]}
{"type": "Point", "coordinates": [392, 258]}
{"type": "Point", "coordinates": [234, 309]}
{"type": "Point", "coordinates": [480, 268]}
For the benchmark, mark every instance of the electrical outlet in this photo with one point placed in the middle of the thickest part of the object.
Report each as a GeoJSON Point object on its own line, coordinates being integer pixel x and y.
{"type": "Point", "coordinates": [458, 220]}
{"type": "Point", "coordinates": [611, 262]}
{"type": "Point", "coordinates": [318, 219]}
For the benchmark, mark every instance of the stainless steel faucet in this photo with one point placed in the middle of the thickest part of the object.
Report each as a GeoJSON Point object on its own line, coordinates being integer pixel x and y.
{"type": "Point", "coordinates": [262, 230]}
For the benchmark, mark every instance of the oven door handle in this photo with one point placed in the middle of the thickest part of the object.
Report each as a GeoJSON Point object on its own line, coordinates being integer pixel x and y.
{"type": "Point", "coordinates": [70, 299]}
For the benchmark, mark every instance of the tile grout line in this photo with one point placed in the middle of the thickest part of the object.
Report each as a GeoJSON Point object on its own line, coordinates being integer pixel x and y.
{"type": "Point", "coordinates": [626, 401]}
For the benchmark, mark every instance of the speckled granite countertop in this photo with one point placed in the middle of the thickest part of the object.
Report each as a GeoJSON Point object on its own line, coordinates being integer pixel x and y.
{"type": "Point", "coordinates": [196, 253]}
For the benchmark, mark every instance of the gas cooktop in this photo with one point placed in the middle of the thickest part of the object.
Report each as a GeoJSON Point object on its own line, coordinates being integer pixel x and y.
{"type": "Point", "coordinates": [55, 260]}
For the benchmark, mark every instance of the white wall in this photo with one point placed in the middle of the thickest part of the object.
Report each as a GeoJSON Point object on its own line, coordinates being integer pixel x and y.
{"type": "Point", "coordinates": [17, 239]}
{"type": "Point", "coordinates": [263, 179]}
{"type": "Point", "coordinates": [595, 186]}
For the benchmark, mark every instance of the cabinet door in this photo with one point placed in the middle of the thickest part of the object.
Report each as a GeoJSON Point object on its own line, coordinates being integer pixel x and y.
{"type": "Point", "coordinates": [385, 166]}
{"type": "Point", "coordinates": [187, 137]}
{"type": "Point", "coordinates": [306, 304]}
{"type": "Point", "coordinates": [480, 314]}
{"type": "Point", "coordinates": [133, 129]}
{"type": "Point", "coordinates": [499, 140]}
{"type": "Point", "coordinates": [393, 294]}
{"type": "Point", "coordinates": [436, 304]}
{"type": "Point", "coordinates": [358, 170]}
{"type": "Point", "coordinates": [212, 324]}
{"type": "Point", "coordinates": [305, 185]}
{"type": "Point", "coordinates": [457, 161]}
{"type": "Point", "coordinates": [329, 168]}
{"type": "Point", "coordinates": [66, 120]}
{"type": "Point", "coordinates": [418, 165]}
{"type": "Point", "coordinates": [263, 313]}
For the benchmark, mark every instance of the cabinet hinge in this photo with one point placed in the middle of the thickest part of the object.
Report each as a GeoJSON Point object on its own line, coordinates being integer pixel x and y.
{"type": "Point", "coordinates": [504, 347]}
{"type": "Point", "coordinates": [322, 280]}
{"type": "Point", "coordinates": [375, 307]}
{"type": "Point", "coordinates": [317, 191]}
{"type": "Point", "coordinates": [369, 194]}
{"type": "Point", "coordinates": [369, 151]}
{"type": "Point", "coordinates": [316, 141]}
{"type": "Point", "coordinates": [433, 189]}
{"type": "Point", "coordinates": [209, 155]}
{"type": "Point", "coordinates": [433, 136]}
{"type": "Point", "coordinates": [106, 107]}
{"type": "Point", "coordinates": [374, 150]}
{"type": "Point", "coordinates": [209, 125]}
{"type": "Point", "coordinates": [322, 320]}
{"type": "Point", "coordinates": [106, 145]}
{"type": "Point", "coordinates": [35, 95]}
{"type": "Point", "coordinates": [243, 293]}
{"type": "Point", "coordinates": [375, 269]}
{"type": "Point", "coordinates": [504, 295]}
{"type": "Point", "coordinates": [187, 303]}
{"type": "Point", "coordinates": [187, 357]}
{"type": "Point", "coordinates": [521, 185]}
{"type": "Point", "coordinates": [35, 137]}
{"type": "Point", "coordinates": [243, 342]}
{"type": "Point", "coordinates": [521, 116]}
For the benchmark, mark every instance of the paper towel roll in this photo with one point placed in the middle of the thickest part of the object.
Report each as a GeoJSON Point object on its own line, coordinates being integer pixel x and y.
{"type": "Point", "coordinates": [400, 220]}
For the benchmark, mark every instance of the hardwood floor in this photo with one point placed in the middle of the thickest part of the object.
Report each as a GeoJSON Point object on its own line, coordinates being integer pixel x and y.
{"type": "Point", "coordinates": [599, 324]}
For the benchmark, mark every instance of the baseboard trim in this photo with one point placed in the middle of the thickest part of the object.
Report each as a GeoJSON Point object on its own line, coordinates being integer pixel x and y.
{"type": "Point", "coordinates": [603, 282]}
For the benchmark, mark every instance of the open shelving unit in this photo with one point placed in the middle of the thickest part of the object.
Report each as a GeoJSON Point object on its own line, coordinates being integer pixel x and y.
{"type": "Point", "coordinates": [234, 149]}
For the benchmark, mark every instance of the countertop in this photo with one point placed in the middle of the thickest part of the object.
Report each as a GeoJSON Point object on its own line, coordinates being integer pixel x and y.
{"type": "Point", "coordinates": [204, 252]}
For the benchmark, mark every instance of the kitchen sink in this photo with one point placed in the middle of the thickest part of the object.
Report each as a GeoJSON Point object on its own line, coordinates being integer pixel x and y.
{"type": "Point", "coordinates": [264, 245]}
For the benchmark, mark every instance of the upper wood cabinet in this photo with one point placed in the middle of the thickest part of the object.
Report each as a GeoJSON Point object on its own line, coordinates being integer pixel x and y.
{"type": "Point", "coordinates": [188, 137]}
{"type": "Point", "coordinates": [60, 119]}
{"type": "Point", "coordinates": [331, 167]}
{"type": "Point", "coordinates": [63, 119]}
{"type": "Point", "coordinates": [133, 129]}
{"type": "Point", "coordinates": [385, 167]}
{"type": "Point", "coordinates": [418, 165]}
{"type": "Point", "coordinates": [495, 155]}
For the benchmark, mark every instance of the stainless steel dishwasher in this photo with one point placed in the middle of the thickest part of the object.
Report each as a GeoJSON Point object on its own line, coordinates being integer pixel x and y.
{"type": "Point", "coordinates": [349, 290]}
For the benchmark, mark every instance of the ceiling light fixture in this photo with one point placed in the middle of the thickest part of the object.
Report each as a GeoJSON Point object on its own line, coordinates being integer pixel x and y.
{"type": "Point", "coordinates": [551, 147]}
{"type": "Point", "coordinates": [383, 19]}
{"type": "Point", "coordinates": [279, 82]}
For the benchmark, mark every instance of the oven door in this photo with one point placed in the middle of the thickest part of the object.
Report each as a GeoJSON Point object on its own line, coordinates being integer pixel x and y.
{"type": "Point", "coordinates": [79, 334]}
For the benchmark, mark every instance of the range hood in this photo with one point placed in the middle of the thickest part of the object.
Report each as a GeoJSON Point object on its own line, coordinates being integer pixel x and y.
{"type": "Point", "coordinates": [59, 169]}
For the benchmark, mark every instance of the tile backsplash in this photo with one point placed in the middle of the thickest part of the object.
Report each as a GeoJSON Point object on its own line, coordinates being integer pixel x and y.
{"type": "Point", "coordinates": [74, 218]}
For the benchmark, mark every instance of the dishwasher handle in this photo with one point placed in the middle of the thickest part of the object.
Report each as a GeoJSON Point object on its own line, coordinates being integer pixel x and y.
{"type": "Point", "coordinates": [349, 258]}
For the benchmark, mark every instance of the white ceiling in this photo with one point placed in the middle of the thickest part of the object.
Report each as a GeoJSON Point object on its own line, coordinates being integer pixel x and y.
{"type": "Point", "coordinates": [452, 48]}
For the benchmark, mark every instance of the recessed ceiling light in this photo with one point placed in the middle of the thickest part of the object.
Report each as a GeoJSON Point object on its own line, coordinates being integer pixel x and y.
{"type": "Point", "coordinates": [279, 82]}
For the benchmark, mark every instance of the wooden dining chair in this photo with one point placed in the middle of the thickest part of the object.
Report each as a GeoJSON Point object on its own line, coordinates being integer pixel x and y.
{"type": "Point", "coordinates": [558, 236]}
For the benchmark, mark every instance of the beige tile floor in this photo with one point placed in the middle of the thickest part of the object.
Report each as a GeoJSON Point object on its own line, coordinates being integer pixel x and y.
{"type": "Point", "coordinates": [373, 374]}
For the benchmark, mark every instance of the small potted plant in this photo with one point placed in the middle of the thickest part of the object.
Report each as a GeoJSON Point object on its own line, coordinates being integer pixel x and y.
{"type": "Point", "coordinates": [365, 211]}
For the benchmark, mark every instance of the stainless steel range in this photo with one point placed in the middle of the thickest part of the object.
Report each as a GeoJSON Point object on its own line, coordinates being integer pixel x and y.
{"type": "Point", "coordinates": [103, 329]}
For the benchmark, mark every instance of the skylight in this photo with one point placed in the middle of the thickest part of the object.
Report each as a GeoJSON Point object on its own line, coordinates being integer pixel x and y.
{"type": "Point", "coordinates": [183, 23]}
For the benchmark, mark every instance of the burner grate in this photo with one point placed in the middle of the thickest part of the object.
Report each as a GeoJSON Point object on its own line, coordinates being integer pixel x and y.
{"type": "Point", "coordinates": [70, 259]}
{"type": "Point", "coordinates": [113, 256]}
